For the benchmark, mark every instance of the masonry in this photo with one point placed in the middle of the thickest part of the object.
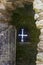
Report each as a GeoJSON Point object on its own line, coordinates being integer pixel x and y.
{"type": "Point", "coordinates": [7, 35]}
{"type": "Point", "coordinates": [38, 7]}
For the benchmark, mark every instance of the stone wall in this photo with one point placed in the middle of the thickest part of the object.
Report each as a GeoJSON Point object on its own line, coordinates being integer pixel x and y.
{"type": "Point", "coordinates": [38, 7]}
{"type": "Point", "coordinates": [7, 35]}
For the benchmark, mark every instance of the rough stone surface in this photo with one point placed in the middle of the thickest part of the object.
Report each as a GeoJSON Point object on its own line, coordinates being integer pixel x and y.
{"type": "Point", "coordinates": [7, 38]}
{"type": "Point", "coordinates": [38, 7]}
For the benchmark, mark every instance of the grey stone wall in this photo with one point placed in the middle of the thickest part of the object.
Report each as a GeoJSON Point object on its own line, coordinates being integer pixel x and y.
{"type": "Point", "coordinates": [7, 36]}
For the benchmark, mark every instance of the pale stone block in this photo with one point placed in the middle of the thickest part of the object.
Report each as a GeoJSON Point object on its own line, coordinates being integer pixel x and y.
{"type": "Point", "coordinates": [37, 5]}
{"type": "Point", "coordinates": [2, 6]}
{"type": "Point", "coordinates": [41, 30]}
{"type": "Point", "coordinates": [41, 37]}
{"type": "Point", "coordinates": [39, 64]}
{"type": "Point", "coordinates": [39, 24]}
{"type": "Point", "coordinates": [36, 16]}
{"type": "Point", "coordinates": [40, 56]}
{"type": "Point", "coordinates": [41, 14]}
{"type": "Point", "coordinates": [40, 46]}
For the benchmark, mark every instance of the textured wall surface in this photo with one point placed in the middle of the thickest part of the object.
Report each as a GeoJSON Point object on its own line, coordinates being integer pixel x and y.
{"type": "Point", "coordinates": [38, 7]}
{"type": "Point", "coordinates": [7, 35]}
